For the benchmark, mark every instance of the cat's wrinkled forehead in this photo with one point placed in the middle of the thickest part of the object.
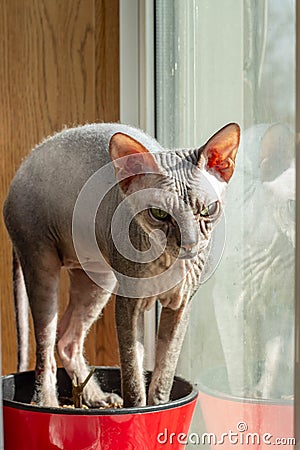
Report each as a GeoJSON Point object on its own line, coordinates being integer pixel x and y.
{"type": "Point", "coordinates": [182, 173]}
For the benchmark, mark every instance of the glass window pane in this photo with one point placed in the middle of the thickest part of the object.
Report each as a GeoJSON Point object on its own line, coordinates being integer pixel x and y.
{"type": "Point", "coordinates": [219, 62]}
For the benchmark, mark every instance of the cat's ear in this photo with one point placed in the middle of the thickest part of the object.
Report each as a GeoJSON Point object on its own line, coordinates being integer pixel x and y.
{"type": "Point", "coordinates": [220, 151]}
{"type": "Point", "coordinates": [130, 158]}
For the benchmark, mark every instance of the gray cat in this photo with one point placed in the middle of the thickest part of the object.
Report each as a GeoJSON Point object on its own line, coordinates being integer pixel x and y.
{"type": "Point", "coordinates": [124, 216]}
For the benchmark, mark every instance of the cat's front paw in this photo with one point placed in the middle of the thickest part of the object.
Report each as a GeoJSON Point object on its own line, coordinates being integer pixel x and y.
{"type": "Point", "coordinates": [157, 397]}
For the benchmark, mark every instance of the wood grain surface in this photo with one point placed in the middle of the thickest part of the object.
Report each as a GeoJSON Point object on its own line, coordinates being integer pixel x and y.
{"type": "Point", "coordinates": [59, 67]}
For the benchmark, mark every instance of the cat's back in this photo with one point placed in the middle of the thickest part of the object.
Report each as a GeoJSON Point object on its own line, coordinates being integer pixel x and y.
{"type": "Point", "coordinates": [55, 171]}
{"type": "Point", "coordinates": [79, 151]}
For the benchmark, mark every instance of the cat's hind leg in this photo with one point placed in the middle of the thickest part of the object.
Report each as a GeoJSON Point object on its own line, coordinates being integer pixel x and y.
{"type": "Point", "coordinates": [21, 312]}
{"type": "Point", "coordinates": [41, 269]}
{"type": "Point", "coordinates": [87, 300]}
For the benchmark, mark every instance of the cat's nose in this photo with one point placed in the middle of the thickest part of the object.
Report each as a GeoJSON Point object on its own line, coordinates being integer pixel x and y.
{"type": "Point", "coordinates": [188, 250]}
{"type": "Point", "coordinates": [189, 247]}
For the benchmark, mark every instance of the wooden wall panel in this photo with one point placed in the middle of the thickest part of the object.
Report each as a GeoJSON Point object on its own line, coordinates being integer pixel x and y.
{"type": "Point", "coordinates": [59, 66]}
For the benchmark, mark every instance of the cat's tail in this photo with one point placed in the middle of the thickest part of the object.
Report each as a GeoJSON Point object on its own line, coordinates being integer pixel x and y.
{"type": "Point", "coordinates": [21, 312]}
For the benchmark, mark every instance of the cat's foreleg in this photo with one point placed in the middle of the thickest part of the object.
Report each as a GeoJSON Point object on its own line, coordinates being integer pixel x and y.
{"type": "Point", "coordinates": [128, 315]}
{"type": "Point", "coordinates": [87, 300]}
{"type": "Point", "coordinates": [172, 329]}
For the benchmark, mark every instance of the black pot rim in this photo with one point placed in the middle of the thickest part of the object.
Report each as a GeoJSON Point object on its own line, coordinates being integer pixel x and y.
{"type": "Point", "coordinates": [102, 412]}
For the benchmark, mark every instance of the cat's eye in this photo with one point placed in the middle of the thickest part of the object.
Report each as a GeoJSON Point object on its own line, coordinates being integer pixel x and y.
{"type": "Point", "coordinates": [210, 210]}
{"type": "Point", "coordinates": [158, 214]}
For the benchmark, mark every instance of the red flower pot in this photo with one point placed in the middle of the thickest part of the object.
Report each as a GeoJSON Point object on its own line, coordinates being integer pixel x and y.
{"type": "Point", "coordinates": [29, 427]}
